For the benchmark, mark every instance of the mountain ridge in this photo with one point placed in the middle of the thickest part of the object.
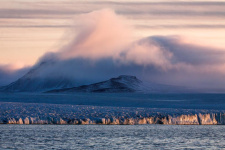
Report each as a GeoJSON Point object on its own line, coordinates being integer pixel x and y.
{"type": "Point", "coordinates": [121, 84]}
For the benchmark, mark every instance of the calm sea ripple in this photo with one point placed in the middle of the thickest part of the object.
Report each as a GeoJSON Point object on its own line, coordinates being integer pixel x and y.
{"type": "Point", "coordinates": [111, 137]}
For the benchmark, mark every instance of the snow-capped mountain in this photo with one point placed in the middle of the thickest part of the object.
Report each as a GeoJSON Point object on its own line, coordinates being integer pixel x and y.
{"type": "Point", "coordinates": [121, 84]}
{"type": "Point", "coordinates": [60, 77]}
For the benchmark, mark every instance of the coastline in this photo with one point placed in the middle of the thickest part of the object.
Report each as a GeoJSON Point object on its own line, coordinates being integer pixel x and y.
{"type": "Point", "coordinates": [197, 119]}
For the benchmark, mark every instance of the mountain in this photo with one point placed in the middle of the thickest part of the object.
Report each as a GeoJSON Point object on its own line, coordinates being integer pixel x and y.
{"type": "Point", "coordinates": [35, 81]}
{"type": "Point", "coordinates": [121, 84]}
{"type": "Point", "coordinates": [70, 76]}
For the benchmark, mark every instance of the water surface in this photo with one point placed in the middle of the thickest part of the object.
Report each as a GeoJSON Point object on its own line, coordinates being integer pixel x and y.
{"type": "Point", "coordinates": [181, 101]}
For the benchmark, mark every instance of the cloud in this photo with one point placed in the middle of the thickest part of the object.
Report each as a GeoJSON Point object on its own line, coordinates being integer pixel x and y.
{"type": "Point", "coordinates": [101, 34]}
{"type": "Point", "coordinates": [105, 48]}
{"type": "Point", "coordinates": [183, 26]}
{"type": "Point", "coordinates": [207, 11]}
{"type": "Point", "coordinates": [9, 73]}
{"type": "Point", "coordinates": [190, 53]}
{"type": "Point", "coordinates": [147, 52]}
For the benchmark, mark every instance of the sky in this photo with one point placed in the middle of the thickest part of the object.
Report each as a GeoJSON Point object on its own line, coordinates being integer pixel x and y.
{"type": "Point", "coordinates": [186, 38]}
{"type": "Point", "coordinates": [29, 28]}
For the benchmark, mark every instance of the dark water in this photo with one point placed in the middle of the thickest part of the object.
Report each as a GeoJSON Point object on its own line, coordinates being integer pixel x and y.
{"type": "Point", "coordinates": [111, 137]}
{"type": "Point", "coordinates": [181, 101]}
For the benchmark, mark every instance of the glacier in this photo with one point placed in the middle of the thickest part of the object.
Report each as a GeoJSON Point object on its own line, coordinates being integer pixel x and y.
{"type": "Point", "coordinates": [112, 108]}
{"type": "Point", "coordinates": [33, 113]}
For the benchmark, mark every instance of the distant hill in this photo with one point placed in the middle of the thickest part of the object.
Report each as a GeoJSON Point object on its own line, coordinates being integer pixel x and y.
{"type": "Point", "coordinates": [121, 84]}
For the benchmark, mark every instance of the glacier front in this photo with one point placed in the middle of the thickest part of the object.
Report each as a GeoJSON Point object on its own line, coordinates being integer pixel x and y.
{"type": "Point", "coordinates": [33, 113]}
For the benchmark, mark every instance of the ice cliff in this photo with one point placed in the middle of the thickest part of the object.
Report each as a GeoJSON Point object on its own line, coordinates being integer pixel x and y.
{"type": "Point", "coordinates": [197, 119]}
{"type": "Point", "coordinates": [22, 113]}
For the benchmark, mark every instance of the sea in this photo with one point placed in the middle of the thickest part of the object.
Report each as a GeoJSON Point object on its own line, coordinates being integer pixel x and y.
{"type": "Point", "coordinates": [66, 137]}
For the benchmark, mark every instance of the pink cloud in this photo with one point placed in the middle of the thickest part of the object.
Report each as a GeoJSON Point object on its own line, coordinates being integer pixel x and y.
{"type": "Point", "coordinates": [101, 34]}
